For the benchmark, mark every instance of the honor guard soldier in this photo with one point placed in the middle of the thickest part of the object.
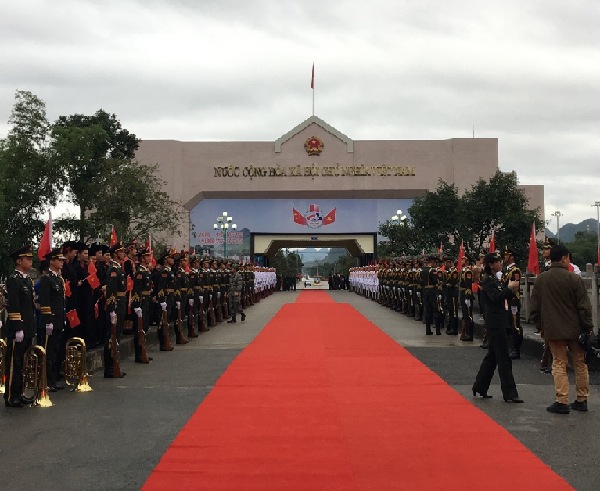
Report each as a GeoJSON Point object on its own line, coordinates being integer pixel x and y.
{"type": "Point", "coordinates": [466, 299]}
{"type": "Point", "coordinates": [429, 280]}
{"type": "Point", "coordinates": [207, 294]}
{"type": "Point", "coordinates": [235, 293]}
{"type": "Point", "coordinates": [166, 295]}
{"type": "Point", "coordinates": [140, 302]}
{"type": "Point", "coordinates": [20, 327]}
{"type": "Point", "coordinates": [51, 294]}
{"type": "Point", "coordinates": [452, 279]}
{"type": "Point", "coordinates": [194, 307]}
{"type": "Point", "coordinates": [181, 295]}
{"type": "Point", "coordinates": [116, 305]}
{"type": "Point", "coordinates": [513, 273]}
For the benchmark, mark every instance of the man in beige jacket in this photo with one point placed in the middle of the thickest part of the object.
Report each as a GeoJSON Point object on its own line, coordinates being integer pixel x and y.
{"type": "Point", "coordinates": [561, 309]}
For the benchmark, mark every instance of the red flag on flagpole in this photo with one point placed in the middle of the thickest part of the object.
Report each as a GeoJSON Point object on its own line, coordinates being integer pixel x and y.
{"type": "Point", "coordinates": [113, 236]}
{"type": "Point", "coordinates": [533, 265]}
{"type": "Point", "coordinates": [312, 78]}
{"type": "Point", "coordinates": [46, 242]}
{"type": "Point", "coordinates": [149, 248]}
{"type": "Point", "coordinates": [492, 243]}
{"type": "Point", "coordinates": [440, 249]}
{"type": "Point", "coordinates": [461, 254]}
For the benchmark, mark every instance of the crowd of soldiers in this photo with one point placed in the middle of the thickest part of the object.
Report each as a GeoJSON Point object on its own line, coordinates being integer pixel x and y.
{"type": "Point", "coordinates": [437, 291]}
{"type": "Point", "coordinates": [97, 293]}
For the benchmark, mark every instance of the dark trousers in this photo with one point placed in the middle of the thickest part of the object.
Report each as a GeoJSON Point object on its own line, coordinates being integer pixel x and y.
{"type": "Point", "coordinates": [497, 355]}
{"type": "Point", "coordinates": [52, 360]}
{"type": "Point", "coordinates": [14, 369]}
{"type": "Point", "coordinates": [145, 325]}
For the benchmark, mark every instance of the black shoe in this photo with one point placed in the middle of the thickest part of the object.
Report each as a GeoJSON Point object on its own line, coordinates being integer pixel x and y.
{"type": "Point", "coordinates": [53, 388]}
{"type": "Point", "coordinates": [162, 348]}
{"type": "Point", "coordinates": [514, 356]}
{"type": "Point", "coordinates": [26, 400]}
{"type": "Point", "coordinates": [546, 369]}
{"type": "Point", "coordinates": [243, 317]}
{"type": "Point", "coordinates": [558, 408]}
{"type": "Point", "coordinates": [438, 332]}
{"type": "Point", "coordinates": [484, 395]}
{"type": "Point", "coordinates": [429, 333]}
{"type": "Point", "coordinates": [467, 339]}
{"type": "Point", "coordinates": [16, 403]}
{"type": "Point", "coordinates": [579, 406]}
{"type": "Point", "coordinates": [483, 346]}
{"type": "Point", "coordinates": [514, 400]}
{"type": "Point", "coordinates": [231, 321]}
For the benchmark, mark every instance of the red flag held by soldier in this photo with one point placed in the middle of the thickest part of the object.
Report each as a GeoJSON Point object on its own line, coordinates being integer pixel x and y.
{"type": "Point", "coordinates": [73, 318]}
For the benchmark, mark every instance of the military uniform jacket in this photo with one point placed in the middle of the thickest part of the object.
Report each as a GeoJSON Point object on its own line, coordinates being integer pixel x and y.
{"type": "Point", "coordinates": [51, 295]}
{"type": "Point", "coordinates": [20, 308]}
{"type": "Point", "coordinates": [166, 286]}
{"type": "Point", "coordinates": [116, 287]}
{"type": "Point", "coordinates": [466, 282]}
{"type": "Point", "coordinates": [181, 285]}
{"type": "Point", "coordinates": [142, 287]}
{"type": "Point", "coordinates": [236, 282]}
{"type": "Point", "coordinates": [512, 274]}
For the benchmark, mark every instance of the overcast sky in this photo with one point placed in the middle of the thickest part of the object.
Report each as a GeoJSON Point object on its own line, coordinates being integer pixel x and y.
{"type": "Point", "coordinates": [525, 72]}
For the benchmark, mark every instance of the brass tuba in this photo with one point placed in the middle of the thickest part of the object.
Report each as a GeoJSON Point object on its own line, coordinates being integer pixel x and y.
{"type": "Point", "coordinates": [76, 365]}
{"type": "Point", "coordinates": [2, 363]}
{"type": "Point", "coordinates": [34, 376]}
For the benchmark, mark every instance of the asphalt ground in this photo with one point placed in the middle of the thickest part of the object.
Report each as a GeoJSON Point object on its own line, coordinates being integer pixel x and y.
{"type": "Point", "coordinates": [112, 438]}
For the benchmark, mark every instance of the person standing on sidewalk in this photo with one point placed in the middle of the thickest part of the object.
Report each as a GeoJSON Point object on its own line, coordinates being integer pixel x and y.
{"type": "Point", "coordinates": [561, 309]}
{"type": "Point", "coordinates": [495, 297]}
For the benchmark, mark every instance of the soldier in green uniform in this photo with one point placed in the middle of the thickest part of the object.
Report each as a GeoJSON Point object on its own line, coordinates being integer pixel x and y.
{"type": "Point", "coordinates": [140, 300]}
{"type": "Point", "coordinates": [116, 303]}
{"type": "Point", "coordinates": [513, 273]}
{"type": "Point", "coordinates": [20, 326]}
{"type": "Point", "coordinates": [51, 294]}
{"type": "Point", "coordinates": [235, 293]}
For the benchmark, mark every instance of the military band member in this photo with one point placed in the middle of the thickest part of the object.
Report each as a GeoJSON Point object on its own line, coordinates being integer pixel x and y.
{"type": "Point", "coordinates": [513, 273]}
{"type": "Point", "coordinates": [140, 301]}
{"type": "Point", "coordinates": [51, 294]}
{"type": "Point", "coordinates": [20, 326]}
{"type": "Point", "coordinates": [116, 304]}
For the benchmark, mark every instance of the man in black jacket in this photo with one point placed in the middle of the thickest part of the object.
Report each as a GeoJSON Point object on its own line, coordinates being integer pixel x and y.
{"type": "Point", "coordinates": [494, 297]}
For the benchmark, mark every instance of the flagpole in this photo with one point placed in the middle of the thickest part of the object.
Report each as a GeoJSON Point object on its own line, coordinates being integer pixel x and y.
{"type": "Point", "coordinates": [312, 86]}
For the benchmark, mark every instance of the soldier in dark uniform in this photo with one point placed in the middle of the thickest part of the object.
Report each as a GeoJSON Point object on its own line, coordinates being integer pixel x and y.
{"type": "Point", "coordinates": [429, 280]}
{"type": "Point", "coordinates": [214, 290]}
{"type": "Point", "coordinates": [84, 296]}
{"type": "Point", "coordinates": [116, 289]}
{"type": "Point", "coordinates": [20, 327]}
{"type": "Point", "coordinates": [235, 292]}
{"type": "Point", "coordinates": [129, 267]}
{"type": "Point", "coordinates": [194, 290]}
{"type": "Point", "coordinates": [140, 300]}
{"type": "Point", "coordinates": [166, 293]}
{"type": "Point", "coordinates": [51, 294]}
{"type": "Point", "coordinates": [513, 273]}
{"type": "Point", "coordinates": [181, 294]}
{"type": "Point", "coordinates": [206, 291]}
{"type": "Point", "coordinates": [452, 279]}
{"type": "Point", "coordinates": [466, 299]}
{"type": "Point", "coordinates": [97, 257]}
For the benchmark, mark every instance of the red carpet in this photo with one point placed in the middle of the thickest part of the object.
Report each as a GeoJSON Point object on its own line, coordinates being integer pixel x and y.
{"type": "Point", "coordinates": [324, 400]}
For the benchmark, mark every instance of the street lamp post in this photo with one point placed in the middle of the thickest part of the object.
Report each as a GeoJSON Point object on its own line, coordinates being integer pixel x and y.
{"type": "Point", "coordinates": [557, 214]}
{"type": "Point", "coordinates": [224, 223]}
{"type": "Point", "coordinates": [597, 205]}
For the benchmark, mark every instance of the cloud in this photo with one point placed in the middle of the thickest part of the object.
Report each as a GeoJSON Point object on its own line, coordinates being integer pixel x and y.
{"type": "Point", "coordinates": [525, 73]}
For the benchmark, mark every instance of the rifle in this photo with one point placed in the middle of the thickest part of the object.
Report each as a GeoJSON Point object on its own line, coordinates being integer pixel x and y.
{"type": "Point", "coordinates": [202, 321]}
{"type": "Point", "coordinates": [225, 306]}
{"type": "Point", "coordinates": [165, 328]}
{"type": "Point", "coordinates": [142, 340]}
{"type": "Point", "coordinates": [114, 351]}
{"type": "Point", "coordinates": [180, 338]}
{"type": "Point", "coordinates": [218, 310]}
{"type": "Point", "coordinates": [211, 311]}
{"type": "Point", "coordinates": [191, 321]}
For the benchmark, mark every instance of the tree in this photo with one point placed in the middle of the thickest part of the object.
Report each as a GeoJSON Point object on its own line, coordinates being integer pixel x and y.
{"type": "Point", "coordinates": [86, 147]}
{"type": "Point", "coordinates": [584, 248]}
{"type": "Point", "coordinates": [29, 181]}
{"type": "Point", "coordinates": [103, 178]}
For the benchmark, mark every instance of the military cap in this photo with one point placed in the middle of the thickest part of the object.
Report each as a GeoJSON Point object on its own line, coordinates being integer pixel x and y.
{"type": "Point", "coordinates": [508, 250]}
{"type": "Point", "coordinates": [432, 257]}
{"type": "Point", "coordinates": [144, 252]}
{"type": "Point", "coordinates": [117, 247]}
{"type": "Point", "coordinates": [24, 251]}
{"type": "Point", "coordinates": [96, 247]}
{"type": "Point", "coordinates": [80, 246]}
{"type": "Point", "coordinates": [55, 254]}
{"type": "Point", "coordinates": [548, 243]}
{"type": "Point", "coordinates": [491, 257]}
{"type": "Point", "coordinates": [69, 245]}
{"type": "Point", "coordinates": [131, 244]}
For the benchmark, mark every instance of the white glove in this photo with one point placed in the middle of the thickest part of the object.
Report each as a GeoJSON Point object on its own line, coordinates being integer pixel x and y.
{"type": "Point", "coordinates": [138, 311]}
{"type": "Point", "coordinates": [0, 324]}
{"type": "Point", "coordinates": [202, 300]}
{"type": "Point", "coordinates": [218, 294]}
{"type": "Point", "coordinates": [439, 297]}
{"type": "Point", "coordinates": [191, 302]}
{"type": "Point", "coordinates": [163, 306]}
{"type": "Point", "coordinates": [113, 317]}
{"type": "Point", "coordinates": [513, 309]}
{"type": "Point", "coordinates": [19, 336]}
{"type": "Point", "coordinates": [467, 302]}
{"type": "Point", "coordinates": [49, 328]}
{"type": "Point", "coordinates": [178, 305]}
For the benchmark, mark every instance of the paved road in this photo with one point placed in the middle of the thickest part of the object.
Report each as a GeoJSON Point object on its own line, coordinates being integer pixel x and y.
{"type": "Point", "coordinates": [111, 438]}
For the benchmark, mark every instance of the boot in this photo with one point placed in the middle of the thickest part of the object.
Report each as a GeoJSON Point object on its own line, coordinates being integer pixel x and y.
{"type": "Point", "coordinates": [438, 328]}
{"type": "Point", "coordinates": [243, 317]}
{"type": "Point", "coordinates": [428, 330]}
{"type": "Point", "coordinates": [232, 320]}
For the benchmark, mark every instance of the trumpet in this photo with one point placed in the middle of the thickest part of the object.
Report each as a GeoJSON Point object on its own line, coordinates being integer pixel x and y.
{"type": "Point", "coordinates": [2, 363]}
{"type": "Point", "coordinates": [34, 376]}
{"type": "Point", "coordinates": [76, 365]}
